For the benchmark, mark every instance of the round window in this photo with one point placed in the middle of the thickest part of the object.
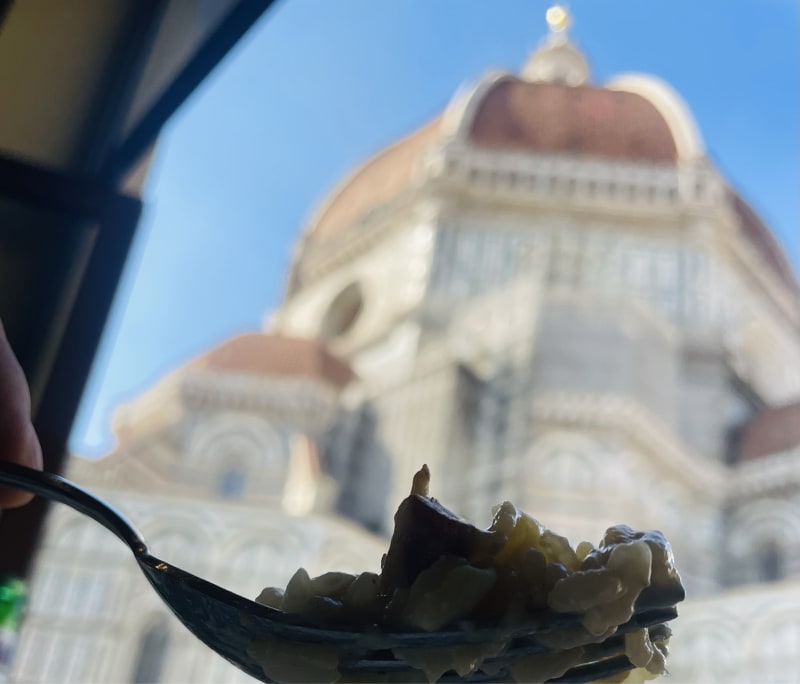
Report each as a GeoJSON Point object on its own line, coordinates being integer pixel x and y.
{"type": "Point", "coordinates": [343, 312]}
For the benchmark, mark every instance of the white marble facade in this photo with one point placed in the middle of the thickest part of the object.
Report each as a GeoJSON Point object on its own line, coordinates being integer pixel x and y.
{"type": "Point", "coordinates": [585, 331]}
{"type": "Point", "coordinates": [223, 480]}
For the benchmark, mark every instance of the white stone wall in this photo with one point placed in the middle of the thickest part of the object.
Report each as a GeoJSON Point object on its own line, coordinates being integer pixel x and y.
{"type": "Point", "coordinates": [748, 634]}
{"type": "Point", "coordinates": [402, 258]}
{"type": "Point", "coordinates": [91, 605]}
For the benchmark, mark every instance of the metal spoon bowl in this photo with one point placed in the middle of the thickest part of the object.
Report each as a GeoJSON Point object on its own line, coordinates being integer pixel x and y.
{"type": "Point", "coordinates": [231, 624]}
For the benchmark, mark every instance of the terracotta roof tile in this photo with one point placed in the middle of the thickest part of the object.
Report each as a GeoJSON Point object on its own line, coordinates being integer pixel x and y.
{"type": "Point", "coordinates": [269, 354]}
{"type": "Point", "coordinates": [379, 180]}
{"type": "Point", "coordinates": [551, 117]}
{"type": "Point", "coordinates": [762, 238]}
{"type": "Point", "coordinates": [771, 431]}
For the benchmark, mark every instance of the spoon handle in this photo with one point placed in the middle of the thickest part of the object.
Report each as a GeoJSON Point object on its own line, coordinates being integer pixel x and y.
{"type": "Point", "coordinates": [57, 488]}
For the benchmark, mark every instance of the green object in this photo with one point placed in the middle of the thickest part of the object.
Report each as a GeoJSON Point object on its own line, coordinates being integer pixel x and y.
{"type": "Point", "coordinates": [13, 594]}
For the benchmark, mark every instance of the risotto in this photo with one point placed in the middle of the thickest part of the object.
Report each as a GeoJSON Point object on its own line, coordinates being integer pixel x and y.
{"type": "Point", "coordinates": [441, 573]}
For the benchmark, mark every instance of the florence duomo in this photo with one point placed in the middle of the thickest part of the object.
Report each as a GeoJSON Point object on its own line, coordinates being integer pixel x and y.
{"type": "Point", "coordinates": [549, 294]}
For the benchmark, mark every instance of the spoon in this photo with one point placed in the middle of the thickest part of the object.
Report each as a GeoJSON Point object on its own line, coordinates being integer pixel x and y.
{"type": "Point", "coordinates": [231, 624]}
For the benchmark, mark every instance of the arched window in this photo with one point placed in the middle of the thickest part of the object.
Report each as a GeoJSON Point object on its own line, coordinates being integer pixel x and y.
{"type": "Point", "coordinates": [770, 562]}
{"type": "Point", "coordinates": [231, 482]}
{"type": "Point", "coordinates": [153, 644]}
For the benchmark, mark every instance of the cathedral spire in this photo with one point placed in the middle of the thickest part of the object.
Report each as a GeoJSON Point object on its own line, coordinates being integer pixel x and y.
{"type": "Point", "coordinates": [556, 59]}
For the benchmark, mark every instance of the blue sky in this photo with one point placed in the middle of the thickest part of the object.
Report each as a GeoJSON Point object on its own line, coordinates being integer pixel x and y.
{"type": "Point", "coordinates": [319, 85]}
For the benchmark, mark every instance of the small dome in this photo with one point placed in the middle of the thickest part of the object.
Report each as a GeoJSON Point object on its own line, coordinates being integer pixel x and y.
{"type": "Point", "coordinates": [275, 355]}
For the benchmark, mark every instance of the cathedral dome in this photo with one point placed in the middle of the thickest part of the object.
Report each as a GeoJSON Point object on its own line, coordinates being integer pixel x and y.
{"type": "Point", "coordinates": [380, 179]}
{"type": "Point", "coordinates": [504, 112]}
{"type": "Point", "coordinates": [552, 108]}
{"type": "Point", "coordinates": [762, 239]}
{"type": "Point", "coordinates": [575, 120]}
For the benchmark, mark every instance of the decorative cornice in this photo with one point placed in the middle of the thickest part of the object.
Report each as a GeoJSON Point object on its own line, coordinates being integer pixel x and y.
{"type": "Point", "coordinates": [766, 475]}
{"type": "Point", "coordinates": [299, 400]}
{"type": "Point", "coordinates": [630, 417]}
{"type": "Point", "coordinates": [455, 167]}
{"type": "Point", "coordinates": [593, 183]}
{"type": "Point", "coordinates": [719, 482]}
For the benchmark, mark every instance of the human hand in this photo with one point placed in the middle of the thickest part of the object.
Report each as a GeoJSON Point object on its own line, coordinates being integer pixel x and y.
{"type": "Point", "coordinates": [18, 441]}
